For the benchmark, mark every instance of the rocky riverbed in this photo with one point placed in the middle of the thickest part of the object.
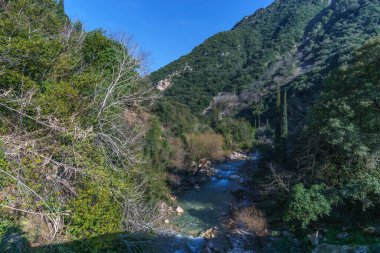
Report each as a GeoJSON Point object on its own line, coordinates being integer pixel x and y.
{"type": "Point", "coordinates": [203, 215]}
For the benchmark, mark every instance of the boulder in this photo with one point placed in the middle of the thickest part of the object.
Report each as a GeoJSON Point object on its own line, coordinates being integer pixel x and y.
{"type": "Point", "coordinates": [237, 156]}
{"type": "Point", "coordinates": [179, 210]}
{"type": "Point", "coordinates": [210, 233]}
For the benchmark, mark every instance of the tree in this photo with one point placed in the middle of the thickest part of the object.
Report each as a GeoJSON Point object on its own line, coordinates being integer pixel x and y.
{"type": "Point", "coordinates": [61, 8]}
{"type": "Point", "coordinates": [277, 139]}
{"type": "Point", "coordinates": [285, 128]}
{"type": "Point", "coordinates": [285, 116]}
{"type": "Point", "coordinates": [258, 110]}
{"type": "Point", "coordinates": [307, 205]}
{"type": "Point", "coordinates": [205, 146]}
{"type": "Point", "coordinates": [155, 147]}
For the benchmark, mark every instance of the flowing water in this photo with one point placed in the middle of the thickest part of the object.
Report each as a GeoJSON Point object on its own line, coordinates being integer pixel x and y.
{"type": "Point", "coordinates": [205, 207]}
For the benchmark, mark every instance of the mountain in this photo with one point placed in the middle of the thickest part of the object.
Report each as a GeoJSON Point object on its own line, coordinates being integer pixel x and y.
{"type": "Point", "coordinates": [292, 42]}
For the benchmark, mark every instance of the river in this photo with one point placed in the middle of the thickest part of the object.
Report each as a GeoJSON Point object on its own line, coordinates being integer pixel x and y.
{"type": "Point", "coordinates": [207, 206]}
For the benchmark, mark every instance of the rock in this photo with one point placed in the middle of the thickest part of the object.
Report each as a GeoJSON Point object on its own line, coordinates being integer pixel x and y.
{"type": "Point", "coordinates": [210, 233]}
{"type": "Point", "coordinates": [237, 156]}
{"type": "Point", "coordinates": [167, 221]}
{"type": "Point", "coordinates": [329, 248]}
{"type": "Point", "coordinates": [341, 236]}
{"type": "Point", "coordinates": [179, 210]}
{"type": "Point", "coordinates": [164, 84]}
{"type": "Point", "coordinates": [196, 187]}
{"type": "Point", "coordinates": [234, 177]}
{"type": "Point", "coordinates": [164, 208]}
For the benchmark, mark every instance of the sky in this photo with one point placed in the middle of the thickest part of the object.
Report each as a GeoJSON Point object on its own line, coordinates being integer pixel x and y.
{"type": "Point", "coordinates": [165, 29]}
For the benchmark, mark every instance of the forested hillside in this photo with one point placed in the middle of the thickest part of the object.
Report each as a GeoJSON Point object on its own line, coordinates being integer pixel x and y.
{"type": "Point", "coordinates": [294, 43]}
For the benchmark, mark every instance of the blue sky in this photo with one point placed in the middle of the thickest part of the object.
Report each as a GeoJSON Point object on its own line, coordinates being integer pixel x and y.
{"type": "Point", "coordinates": [166, 29]}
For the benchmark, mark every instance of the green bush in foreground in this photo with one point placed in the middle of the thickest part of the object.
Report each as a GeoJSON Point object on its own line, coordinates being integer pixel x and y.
{"type": "Point", "coordinates": [307, 205]}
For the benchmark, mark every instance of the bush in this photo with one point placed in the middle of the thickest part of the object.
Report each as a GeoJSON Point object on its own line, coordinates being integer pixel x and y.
{"type": "Point", "coordinates": [238, 133]}
{"type": "Point", "coordinates": [307, 205]}
{"type": "Point", "coordinates": [254, 220]}
{"type": "Point", "coordinates": [207, 145]}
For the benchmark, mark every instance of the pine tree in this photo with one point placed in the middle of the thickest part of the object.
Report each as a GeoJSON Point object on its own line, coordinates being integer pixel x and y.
{"type": "Point", "coordinates": [277, 139]}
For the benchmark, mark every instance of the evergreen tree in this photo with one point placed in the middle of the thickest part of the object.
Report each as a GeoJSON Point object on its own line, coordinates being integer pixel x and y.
{"type": "Point", "coordinates": [285, 116]}
{"type": "Point", "coordinates": [154, 145]}
{"type": "Point", "coordinates": [61, 8]}
{"type": "Point", "coordinates": [258, 110]}
{"type": "Point", "coordinates": [277, 139]}
{"type": "Point", "coordinates": [285, 130]}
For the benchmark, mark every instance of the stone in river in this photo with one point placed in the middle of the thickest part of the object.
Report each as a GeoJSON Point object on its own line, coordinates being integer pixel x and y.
{"type": "Point", "coordinates": [179, 210]}
{"type": "Point", "coordinates": [234, 177]}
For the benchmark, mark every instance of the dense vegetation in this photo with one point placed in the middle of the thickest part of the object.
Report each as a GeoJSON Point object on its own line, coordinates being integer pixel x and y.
{"type": "Point", "coordinates": [234, 59]}
{"type": "Point", "coordinates": [87, 152]}
{"type": "Point", "coordinates": [343, 133]}
{"type": "Point", "coordinates": [305, 73]}
{"type": "Point", "coordinates": [77, 156]}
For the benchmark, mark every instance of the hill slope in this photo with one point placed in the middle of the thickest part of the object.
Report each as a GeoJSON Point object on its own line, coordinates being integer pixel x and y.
{"type": "Point", "coordinates": [292, 42]}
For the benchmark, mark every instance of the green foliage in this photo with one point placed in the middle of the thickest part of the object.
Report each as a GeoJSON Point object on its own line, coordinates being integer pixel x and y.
{"type": "Point", "coordinates": [277, 131]}
{"type": "Point", "coordinates": [285, 128]}
{"type": "Point", "coordinates": [156, 147]}
{"type": "Point", "coordinates": [66, 152]}
{"type": "Point", "coordinates": [206, 145]}
{"type": "Point", "coordinates": [234, 59]}
{"type": "Point", "coordinates": [355, 237]}
{"type": "Point", "coordinates": [158, 152]}
{"type": "Point", "coordinates": [345, 125]}
{"type": "Point", "coordinates": [307, 205]}
{"type": "Point", "coordinates": [11, 237]}
{"type": "Point", "coordinates": [176, 116]}
{"type": "Point", "coordinates": [95, 212]}
{"type": "Point", "coordinates": [238, 133]}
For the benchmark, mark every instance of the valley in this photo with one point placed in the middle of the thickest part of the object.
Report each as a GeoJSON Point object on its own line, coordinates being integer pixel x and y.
{"type": "Point", "coordinates": [264, 138]}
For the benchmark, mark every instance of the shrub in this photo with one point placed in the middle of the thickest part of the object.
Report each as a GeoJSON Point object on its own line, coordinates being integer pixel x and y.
{"type": "Point", "coordinates": [307, 205]}
{"type": "Point", "coordinates": [178, 156]}
{"type": "Point", "coordinates": [207, 145]}
{"type": "Point", "coordinates": [254, 220]}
